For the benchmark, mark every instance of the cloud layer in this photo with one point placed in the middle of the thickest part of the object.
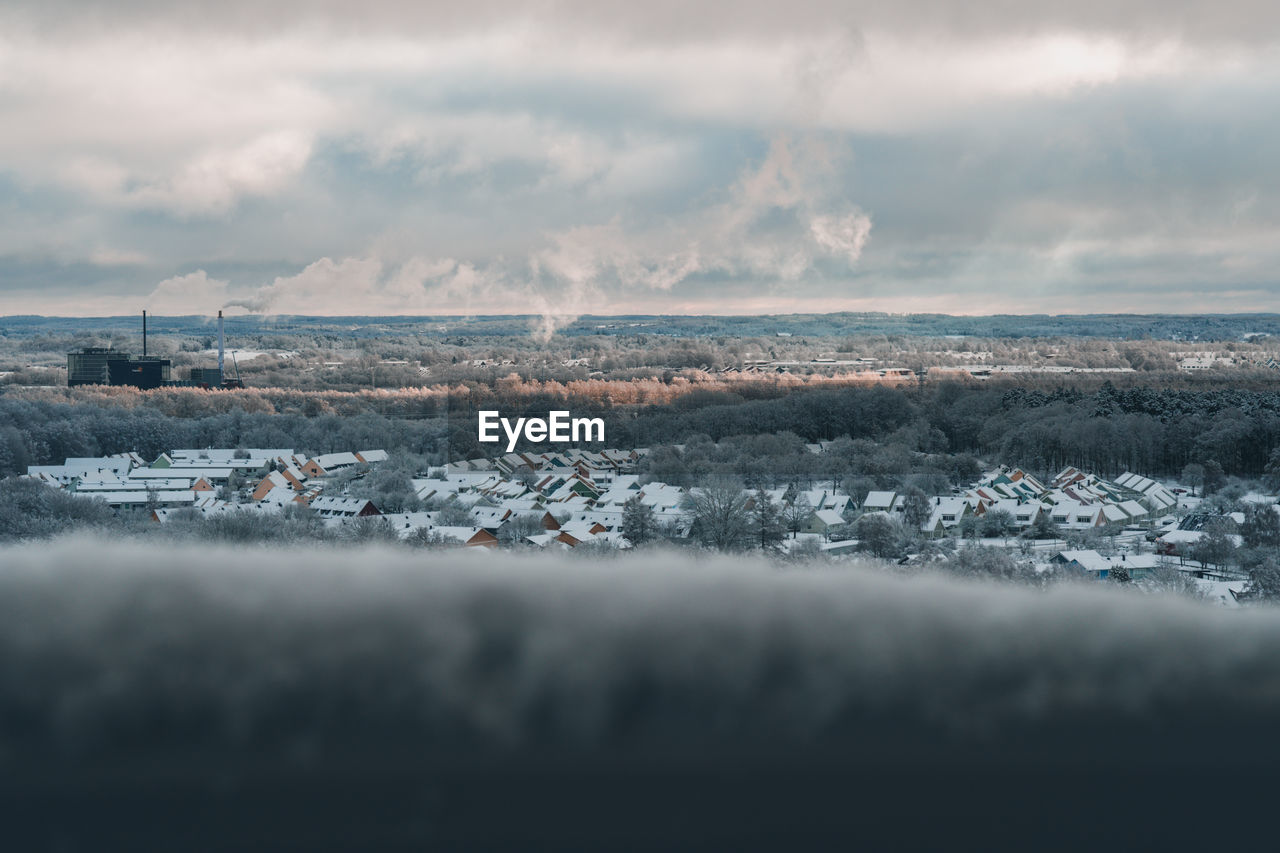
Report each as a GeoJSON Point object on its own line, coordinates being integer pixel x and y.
{"type": "Point", "coordinates": [422, 157]}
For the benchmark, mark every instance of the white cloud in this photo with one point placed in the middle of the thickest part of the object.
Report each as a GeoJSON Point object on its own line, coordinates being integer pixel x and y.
{"type": "Point", "coordinates": [210, 183]}
{"type": "Point", "coordinates": [193, 293]}
{"type": "Point", "coordinates": [215, 181]}
{"type": "Point", "coordinates": [842, 235]}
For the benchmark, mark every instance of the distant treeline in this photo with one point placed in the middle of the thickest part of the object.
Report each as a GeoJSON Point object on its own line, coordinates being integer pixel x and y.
{"type": "Point", "coordinates": [328, 354]}
{"type": "Point", "coordinates": [1106, 429]}
{"type": "Point", "coordinates": [1203, 327]}
{"type": "Point", "coordinates": [35, 433]}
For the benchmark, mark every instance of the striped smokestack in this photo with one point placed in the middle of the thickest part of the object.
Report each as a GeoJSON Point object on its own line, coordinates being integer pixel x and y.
{"type": "Point", "coordinates": [220, 373]}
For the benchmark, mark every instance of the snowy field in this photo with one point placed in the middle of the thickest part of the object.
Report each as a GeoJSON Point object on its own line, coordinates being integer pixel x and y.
{"type": "Point", "coordinates": [247, 355]}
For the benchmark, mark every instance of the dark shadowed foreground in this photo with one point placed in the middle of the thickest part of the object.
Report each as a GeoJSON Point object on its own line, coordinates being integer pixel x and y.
{"type": "Point", "coordinates": [154, 698]}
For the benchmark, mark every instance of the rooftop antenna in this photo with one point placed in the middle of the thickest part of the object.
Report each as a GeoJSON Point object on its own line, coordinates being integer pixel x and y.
{"type": "Point", "coordinates": [144, 334]}
{"type": "Point", "coordinates": [220, 374]}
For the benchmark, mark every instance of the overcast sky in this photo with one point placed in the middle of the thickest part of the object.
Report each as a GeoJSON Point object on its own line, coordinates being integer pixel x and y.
{"type": "Point", "coordinates": [606, 157]}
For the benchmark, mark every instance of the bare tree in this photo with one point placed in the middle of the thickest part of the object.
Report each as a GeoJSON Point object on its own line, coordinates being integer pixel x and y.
{"type": "Point", "coordinates": [1193, 476]}
{"type": "Point", "coordinates": [797, 514]}
{"type": "Point", "coordinates": [1264, 582]}
{"type": "Point", "coordinates": [1215, 547]}
{"type": "Point", "coordinates": [719, 514]}
{"type": "Point", "coordinates": [998, 522]}
{"type": "Point", "coordinates": [454, 514]}
{"type": "Point", "coordinates": [878, 534]}
{"type": "Point", "coordinates": [517, 529]}
{"type": "Point", "coordinates": [916, 509]}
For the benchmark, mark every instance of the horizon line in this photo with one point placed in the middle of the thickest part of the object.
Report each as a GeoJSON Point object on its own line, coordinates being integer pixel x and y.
{"type": "Point", "coordinates": [476, 316]}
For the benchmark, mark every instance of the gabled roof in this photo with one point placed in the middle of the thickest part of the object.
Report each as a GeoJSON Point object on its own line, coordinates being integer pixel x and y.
{"type": "Point", "coordinates": [430, 487]}
{"type": "Point", "coordinates": [83, 467]}
{"type": "Point", "coordinates": [332, 461]}
{"type": "Point", "coordinates": [127, 485]}
{"type": "Point", "coordinates": [879, 500]}
{"type": "Point", "coordinates": [573, 504]}
{"type": "Point", "coordinates": [1089, 560]}
{"type": "Point", "coordinates": [227, 454]}
{"type": "Point", "coordinates": [1134, 509]}
{"type": "Point", "coordinates": [1009, 505]}
{"type": "Point", "coordinates": [829, 517]}
{"type": "Point", "coordinates": [465, 535]}
{"type": "Point", "coordinates": [210, 474]}
{"type": "Point", "coordinates": [489, 516]}
{"type": "Point", "coordinates": [524, 504]}
{"type": "Point", "coordinates": [280, 496]}
{"type": "Point", "coordinates": [1114, 514]}
{"type": "Point", "coordinates": [405, 523]}
{"type": "Point", "coordinates": [583, 531]}
{"type": "Point", "coordinates": [946, 512]}
{"type": "Point", "coordinates": [333, 506]}
{"type": "Point", "coordinates": [141, 498]}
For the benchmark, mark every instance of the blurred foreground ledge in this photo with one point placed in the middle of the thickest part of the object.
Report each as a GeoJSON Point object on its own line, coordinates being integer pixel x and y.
{"type": "Point", "coordinates": [161, 698]}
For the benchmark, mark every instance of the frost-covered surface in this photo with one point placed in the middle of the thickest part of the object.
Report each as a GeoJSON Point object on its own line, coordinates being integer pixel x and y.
{"type": "Point", "coordinates": [237, 645]}
{"type": "Point", "coordinates": [217, 669]}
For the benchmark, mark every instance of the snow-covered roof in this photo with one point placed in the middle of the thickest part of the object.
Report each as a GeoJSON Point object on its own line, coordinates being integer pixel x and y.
{"type": "Point", "coordinates": [339, 506]}
{"type": "Point", "coordinates": [829, 517]}
{"type": "Point", "coordinates": [879, 500]}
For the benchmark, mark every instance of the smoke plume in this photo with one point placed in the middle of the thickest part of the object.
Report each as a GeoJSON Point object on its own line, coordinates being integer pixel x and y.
{"type": "Point", "coordinates": [776, 223]}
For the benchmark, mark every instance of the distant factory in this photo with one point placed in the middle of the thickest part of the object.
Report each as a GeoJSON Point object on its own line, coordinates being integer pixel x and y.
{"type": "Point", "coordinates": [107, 366]}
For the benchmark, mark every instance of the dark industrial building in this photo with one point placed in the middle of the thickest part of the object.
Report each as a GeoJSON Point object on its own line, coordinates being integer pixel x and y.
{"type": "Point", "coordinates": [140, 372]}
{"type": "Point", "coordinates": [210, 377]}
{"type": "Point", "coordinates": [89, 366]}
{"type": "Point", "coordinates": [105, 366]}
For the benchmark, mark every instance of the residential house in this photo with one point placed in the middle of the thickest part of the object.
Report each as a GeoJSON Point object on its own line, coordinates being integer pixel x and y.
{"type": "Point", "coordinates": [333, 507]}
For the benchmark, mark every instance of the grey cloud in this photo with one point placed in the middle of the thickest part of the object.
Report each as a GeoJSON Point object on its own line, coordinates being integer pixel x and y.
{"type": "Point", "coordinates": [609, 181]}
{"type": "Point", "coordinates": [670, 21]}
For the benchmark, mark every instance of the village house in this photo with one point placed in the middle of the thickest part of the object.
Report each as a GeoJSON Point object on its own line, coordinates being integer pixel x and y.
{"type": "Point", "coordinates": [879, 501]}
{"type": "Point", "coordinates": [334, 507]}
{"type": "Point", "coordinates": [329, 463]}
{"type": "Point", "coordinates": [824, 521]}
{"type": "Point", "coordinates": [467, 537]}
{"type": "Point", "coordinates": [292, 480]}
{"type": "Point", "coordinates": [1094, 565]}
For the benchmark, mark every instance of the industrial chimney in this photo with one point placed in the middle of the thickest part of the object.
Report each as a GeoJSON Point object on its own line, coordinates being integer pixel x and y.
{"type": "Point", "coordinates": [221, 374]}
{"type": "Point", "coordinates": [144, 334]}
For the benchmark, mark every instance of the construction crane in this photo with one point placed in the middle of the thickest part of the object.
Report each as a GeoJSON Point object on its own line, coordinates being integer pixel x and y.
{"type": "Point", "coordinates": [237, 382]}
